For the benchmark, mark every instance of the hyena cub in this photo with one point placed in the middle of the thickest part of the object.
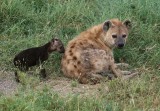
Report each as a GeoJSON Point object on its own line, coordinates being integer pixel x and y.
{"type": "Point", "coordinates": [37, 55]}
{"type": "Point", "coordinates": [91, 52]}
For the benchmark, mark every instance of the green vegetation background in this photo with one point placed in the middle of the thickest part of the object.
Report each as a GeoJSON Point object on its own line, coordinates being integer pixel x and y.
{"type": "Point", "coordinates": [30, 23]}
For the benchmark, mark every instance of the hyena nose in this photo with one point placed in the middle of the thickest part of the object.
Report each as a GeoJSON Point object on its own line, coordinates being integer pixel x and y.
{"type": "Point", "coordinates": [120, 45]}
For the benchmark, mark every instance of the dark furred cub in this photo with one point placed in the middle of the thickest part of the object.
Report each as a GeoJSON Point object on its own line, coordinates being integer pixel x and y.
{"type": "Point", "coordinates": [36, 55]}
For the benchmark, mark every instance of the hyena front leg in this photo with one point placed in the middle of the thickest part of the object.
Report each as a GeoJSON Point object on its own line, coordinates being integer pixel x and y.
{"type": "Point", "coordinates": [116, 71]}
{"type": "Point", "coordinates": [130, 76]}
{"type": "Point", "coordinates": [125, 65]}
{"type": "Point", "coordinates": [122, 65]}
{"type": "Point", "coordinates": [126, 72]}
{"type": "Point", "coordinates": [122, 74]}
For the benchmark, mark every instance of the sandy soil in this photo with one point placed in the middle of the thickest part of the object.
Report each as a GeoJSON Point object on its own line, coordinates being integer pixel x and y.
{"type": "Point", "coordinates": [60, 85]}
{"type": "Point", "coordinates": [8, 84]}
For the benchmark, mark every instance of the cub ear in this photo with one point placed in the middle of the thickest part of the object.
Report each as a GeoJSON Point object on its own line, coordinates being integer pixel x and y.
{"type": "Point", "coordinates": [55, 41]}
{"type": "Point", "coordinates": [107, 25]}
{"type": "Point", "coordinates": [128, 24]}
{"type": "Point", "coordinates": [52, 39]}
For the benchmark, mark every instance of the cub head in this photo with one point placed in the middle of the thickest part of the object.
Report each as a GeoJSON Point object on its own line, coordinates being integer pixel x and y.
{"type": "Point", "coordinates": [57, 45]}
{"type": "Point", "coordinates": [116, 32]}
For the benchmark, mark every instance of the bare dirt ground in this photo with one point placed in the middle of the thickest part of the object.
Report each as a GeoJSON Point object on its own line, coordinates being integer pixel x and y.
{"type": "Point", "coordinates": [8, 85]}
{"type": "Point", "coordinates": [60, 85]}
{"type": "Point", "coordinates": [65, 86]}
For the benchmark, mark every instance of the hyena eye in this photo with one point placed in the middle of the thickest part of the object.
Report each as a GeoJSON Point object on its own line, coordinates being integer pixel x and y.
{"type": "Point", "coordinates": [124, 35]}
{"type": "Point", "coordinates": [114, 36]}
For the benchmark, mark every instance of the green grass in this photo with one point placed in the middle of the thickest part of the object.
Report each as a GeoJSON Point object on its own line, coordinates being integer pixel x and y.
{"type": "Point", "coordinates": [30, 23]}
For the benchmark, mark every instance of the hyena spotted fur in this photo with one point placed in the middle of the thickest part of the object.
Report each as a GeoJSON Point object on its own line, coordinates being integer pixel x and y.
{"type": "Point", "coordinates": [91, 52]}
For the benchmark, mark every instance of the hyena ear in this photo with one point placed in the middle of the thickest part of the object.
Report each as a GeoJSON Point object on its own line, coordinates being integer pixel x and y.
{"type": "Point", "coordinates": [107, 25]}
{"type": "Point", "coordinates": [128, 24]}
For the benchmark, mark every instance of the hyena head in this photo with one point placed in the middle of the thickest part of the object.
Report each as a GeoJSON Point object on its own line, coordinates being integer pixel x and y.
{"type": "Point", "coordinates": [57, 45]}
{"type": "Point", "coordinates": [116, 32]}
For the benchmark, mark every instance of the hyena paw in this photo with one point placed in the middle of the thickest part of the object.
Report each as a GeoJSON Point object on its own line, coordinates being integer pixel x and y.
{"type": "Point", "coordinates": [126, 77]}
{"type": "Point", "coordinates": [122, 65]}
{"type": "Point", "coordinates": [126, 72]}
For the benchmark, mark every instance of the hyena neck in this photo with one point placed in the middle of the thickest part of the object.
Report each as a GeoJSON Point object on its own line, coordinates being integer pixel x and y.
{"type": "Point", "coordinates": [99, 35]}
{"type": "Point", "coordinates": [102, 41]}
{"type": "Point", "coordinates": [97, 30]}
{"type": "Point", "coordinates": [46, 47]}
{"type": "Point", "coordinates": [105, 45]}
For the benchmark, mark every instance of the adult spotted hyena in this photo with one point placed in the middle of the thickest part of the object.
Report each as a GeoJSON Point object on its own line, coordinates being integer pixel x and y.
{"type": "Point", "coordinates": [91, 52]}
